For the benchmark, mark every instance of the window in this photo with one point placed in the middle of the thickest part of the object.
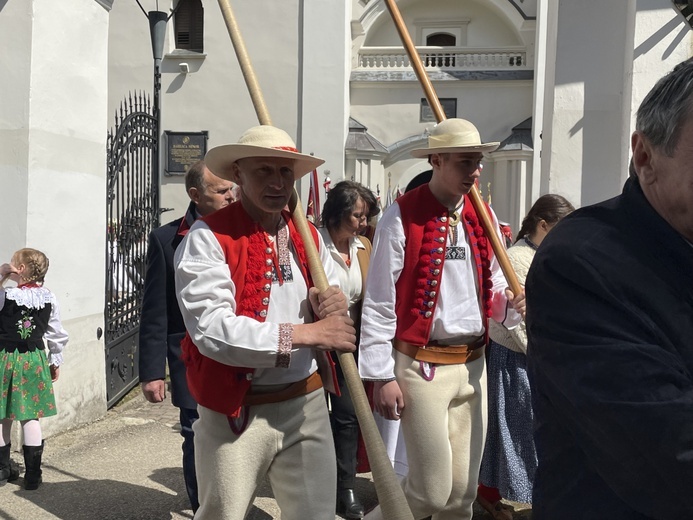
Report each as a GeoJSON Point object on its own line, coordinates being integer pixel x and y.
{"type": "Point", "coordinates": [442, 33]}
{"type": "Point", "coordinates": [189, 25]}
{"type": "Point", "coordinates": [449, 108]}
{"type": "Point", "coordinates": [441, 40]}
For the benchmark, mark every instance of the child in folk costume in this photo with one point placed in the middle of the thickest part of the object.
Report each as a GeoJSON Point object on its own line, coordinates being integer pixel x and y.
{"type": "Point", "coordinates": [29, 314]}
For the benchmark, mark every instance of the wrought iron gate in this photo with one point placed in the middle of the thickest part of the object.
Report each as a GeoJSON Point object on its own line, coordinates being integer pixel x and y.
{"type": "Point", "coordinates": [132, 212]}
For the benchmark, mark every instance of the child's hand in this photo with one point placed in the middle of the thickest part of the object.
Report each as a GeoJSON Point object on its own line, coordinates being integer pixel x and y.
{"type": "Point", "coordinates": [55, 373]}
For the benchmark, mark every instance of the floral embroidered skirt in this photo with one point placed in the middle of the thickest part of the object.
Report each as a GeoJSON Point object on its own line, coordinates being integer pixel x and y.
{"type": "Point", "coordinates": [26, 389]}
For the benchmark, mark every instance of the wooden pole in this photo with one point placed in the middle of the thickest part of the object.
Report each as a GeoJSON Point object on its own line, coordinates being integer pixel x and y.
{"type": "Point", "coordinates": [436, 107]}
{"type": "Point", "coordinates": [390, 495]}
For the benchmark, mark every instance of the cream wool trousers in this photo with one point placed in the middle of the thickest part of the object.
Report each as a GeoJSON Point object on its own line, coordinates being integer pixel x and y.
{"type": "Point", "coordinates": [444, 426]}
{"type": "Point", "coordinates": [291, 442]}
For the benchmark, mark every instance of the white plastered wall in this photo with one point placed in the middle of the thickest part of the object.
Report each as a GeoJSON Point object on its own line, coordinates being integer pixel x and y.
{"type": "Point", "coordinates": [604, 66]}
{"type": "Point", "coordinates": [299, 55]}
{"type": "Point", "coordinates": [53, 156]}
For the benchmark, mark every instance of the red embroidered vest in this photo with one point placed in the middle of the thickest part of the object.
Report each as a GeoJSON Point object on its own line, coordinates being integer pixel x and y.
{"type": "Point", "coordinates": [215, 385]}
{"type": "Point", "coordinates": [426, 224]}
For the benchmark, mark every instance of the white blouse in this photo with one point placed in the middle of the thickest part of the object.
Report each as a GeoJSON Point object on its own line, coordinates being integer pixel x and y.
{"type": "Point", "coordinates": [349, 276]}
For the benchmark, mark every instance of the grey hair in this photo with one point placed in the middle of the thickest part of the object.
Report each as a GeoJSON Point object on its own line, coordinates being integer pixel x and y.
{"type": "Point", "coordinates": [194, 178]}
{"type": "Point", "coordinates": [667, 107]}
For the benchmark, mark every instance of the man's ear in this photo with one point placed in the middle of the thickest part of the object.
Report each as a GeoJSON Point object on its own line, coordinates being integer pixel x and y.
{"type": "Point", "coordinates": [643, 158]}
{"type": "Point", "coordinates": [194, 195]}
{"type": "Point", "coordinates": [236, 174]}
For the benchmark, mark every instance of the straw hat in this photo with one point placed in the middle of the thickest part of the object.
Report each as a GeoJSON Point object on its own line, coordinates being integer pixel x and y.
{"type": "Point", "coordinates": [260, 141]}
{"type": "Point", "coordinates": [454, 136]}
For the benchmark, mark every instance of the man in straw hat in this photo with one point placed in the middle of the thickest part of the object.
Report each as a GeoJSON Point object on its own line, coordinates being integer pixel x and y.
{"type": "Point", "coordinates": [433, 285]}
{"type": "Point", "coordinates": [253, 350]}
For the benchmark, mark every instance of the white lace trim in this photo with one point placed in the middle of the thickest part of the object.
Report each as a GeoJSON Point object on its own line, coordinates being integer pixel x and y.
{"type": "Point", "coordinates": [32, 297]}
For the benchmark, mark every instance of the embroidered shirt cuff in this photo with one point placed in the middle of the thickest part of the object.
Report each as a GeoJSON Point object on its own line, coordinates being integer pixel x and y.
{"type": "Point", "coordinates": [286, 332]}
{"type": "Point", "coordinates": [55, 359]}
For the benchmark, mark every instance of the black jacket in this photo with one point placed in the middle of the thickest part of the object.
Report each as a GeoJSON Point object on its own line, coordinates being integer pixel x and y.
{"type": "Point", "coordinates": [610, 358]}
{"type": "Point", "coordinates": [161, 325]}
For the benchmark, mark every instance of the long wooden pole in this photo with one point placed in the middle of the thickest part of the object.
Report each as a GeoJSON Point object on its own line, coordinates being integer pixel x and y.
{"type": "Point", "coordinates": [390, 495]}
{"type": "Point", "coordinates": [436, 107]}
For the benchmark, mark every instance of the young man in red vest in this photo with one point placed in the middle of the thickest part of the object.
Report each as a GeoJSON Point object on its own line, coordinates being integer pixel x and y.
{"type": "Point", "coordinates": [253, 348]}
{"type": "Point", "coordinates": [433, 285]}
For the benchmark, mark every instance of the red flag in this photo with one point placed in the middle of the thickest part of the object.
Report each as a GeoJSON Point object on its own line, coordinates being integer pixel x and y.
{"type": "Point", "coordinates": [310, 210]}
{"type": "Point", "coordinates": [313, 208]}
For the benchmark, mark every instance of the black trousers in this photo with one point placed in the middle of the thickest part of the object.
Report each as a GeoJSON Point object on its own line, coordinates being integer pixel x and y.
{"type": "Point", "coordinates": [345, 430]}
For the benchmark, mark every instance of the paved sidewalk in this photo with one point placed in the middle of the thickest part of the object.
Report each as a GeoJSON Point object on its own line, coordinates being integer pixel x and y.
{"type": "Point", "coordinates": [127, 466]}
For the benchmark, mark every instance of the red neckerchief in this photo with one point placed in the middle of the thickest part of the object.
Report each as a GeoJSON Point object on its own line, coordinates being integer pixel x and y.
{"type": "Point", "coordinates": [28, 285]}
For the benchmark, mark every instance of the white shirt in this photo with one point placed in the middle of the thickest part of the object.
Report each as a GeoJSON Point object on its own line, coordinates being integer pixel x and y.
{"type": "Point", "coordinates": [349, 276]}
{"type": "Point", "coordinates": [206, 295]}
{"type": "Point", "coordinates": [457, 315]}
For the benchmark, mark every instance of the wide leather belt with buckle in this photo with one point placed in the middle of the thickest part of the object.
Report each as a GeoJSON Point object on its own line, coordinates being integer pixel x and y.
{"type": "Point", "coordinates": [297, 389]}
{"type": "Point", "coordinates": [442, 355]}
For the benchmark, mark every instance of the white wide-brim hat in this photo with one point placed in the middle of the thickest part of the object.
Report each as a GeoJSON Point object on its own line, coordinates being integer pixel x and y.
{"type": "Point", "coordinates": [454, 136]}
{"type": "Point", "coordinates": [260, 141]}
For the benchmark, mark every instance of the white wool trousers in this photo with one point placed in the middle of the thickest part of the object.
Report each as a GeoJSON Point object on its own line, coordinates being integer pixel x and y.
{"type": "Point", "coordinates": [444, 426]}
{"type": "Point", "coordinates": [290, 442]}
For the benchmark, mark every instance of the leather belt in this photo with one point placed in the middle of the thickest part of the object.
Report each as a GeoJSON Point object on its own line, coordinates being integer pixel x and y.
{"type": "Point", "coordinates": [442, 355]}
{"type": "Point", "coordinates": [297, 389]}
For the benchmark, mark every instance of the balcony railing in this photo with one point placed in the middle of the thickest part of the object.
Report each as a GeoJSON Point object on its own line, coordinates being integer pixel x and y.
{"type": "Point", "coordinates": [449, 58]}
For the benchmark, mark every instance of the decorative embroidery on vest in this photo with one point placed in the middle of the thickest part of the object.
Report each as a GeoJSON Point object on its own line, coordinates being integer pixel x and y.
{"type": "Point", "coordinates": [482, 257]}
{"type": "Point", "coordinates": [25, 326]}
{"type": "Point", "coordinates": [431, 258]}
{"type": "Point", "coordinates": [254, 299]}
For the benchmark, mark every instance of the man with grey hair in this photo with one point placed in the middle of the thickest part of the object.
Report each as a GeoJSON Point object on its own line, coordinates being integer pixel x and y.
{"type": "Point", "coordinates": [610, 322]}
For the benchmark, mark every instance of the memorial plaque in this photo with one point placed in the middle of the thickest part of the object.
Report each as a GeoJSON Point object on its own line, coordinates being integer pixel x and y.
{"type": "Point", "coordinates": [449, 109]}
{"type": "Point", "coordinates": [183, 149]}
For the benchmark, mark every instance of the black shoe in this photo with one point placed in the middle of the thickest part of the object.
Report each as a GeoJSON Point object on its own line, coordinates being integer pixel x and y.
{"type": "Point", "coordinates": [8, 469]}
{"type": "Point", "coordinates": [32, 462]}
{"type": "Point", "coordinates": [348, 506]}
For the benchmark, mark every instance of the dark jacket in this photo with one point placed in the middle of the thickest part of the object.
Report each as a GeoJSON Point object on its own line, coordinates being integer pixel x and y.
{"type": "Point", "coordinates": [161, 325]}
{"type": "Point", "coordinates": [610, 358]}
